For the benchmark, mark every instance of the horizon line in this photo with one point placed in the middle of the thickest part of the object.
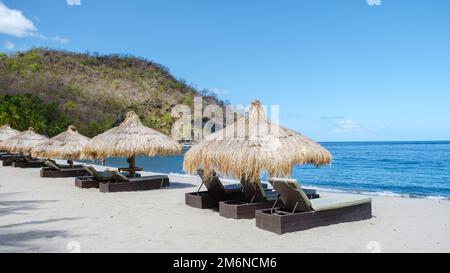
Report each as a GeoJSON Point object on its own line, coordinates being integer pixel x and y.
{"type": "Point", "coordinates": [361, 141]}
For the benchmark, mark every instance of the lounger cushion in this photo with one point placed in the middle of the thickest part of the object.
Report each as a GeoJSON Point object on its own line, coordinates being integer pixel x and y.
{"type": "Point", "coordinates": [290, 181]}
{"type": "Point", "coordinates": [19, 158]}
{"type": "Point", "coordinates": [214, 184]}
{"type": "Point", "coordinates": [147, 178]}
{"type": "Point", "coordinates": [52, 164]}
{"type": "Point", "coordinates": [99, 176]}
{"type": "Point", "coordinates": [292, 194]}
{"type": "Point", "coordinates": [254, 191]}
{"type": "Point", "coordinates": [271, 195]}
{"type": "Point", "coordinates": [232, 188]}
{"type": "Point", "coordinates": [338, 202]}
{"type": "Point", "coordinates": [119, 176]}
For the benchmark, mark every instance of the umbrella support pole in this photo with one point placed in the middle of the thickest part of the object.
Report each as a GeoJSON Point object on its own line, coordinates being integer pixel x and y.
{"type": "Point", "coordinates": [132, 163]}
{"type": "Point", "coordinates": [70, 162]}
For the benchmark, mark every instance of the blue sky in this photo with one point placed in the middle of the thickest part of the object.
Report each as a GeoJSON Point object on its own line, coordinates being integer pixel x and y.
{"type": "Point", "coordinates": [340, 70]}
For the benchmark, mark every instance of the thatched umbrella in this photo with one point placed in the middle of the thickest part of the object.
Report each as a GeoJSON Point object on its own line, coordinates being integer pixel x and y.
{"type": "Point", "coordinates": [66, 146]}
{"type": "Point", "coordinates": [7, 132]}
{"type": "Point", "coordinates": [22, 142]}
{"type": "Point", "coordinates": [130, 139]}
{"type": "Point", "coordinates": [252, 145]}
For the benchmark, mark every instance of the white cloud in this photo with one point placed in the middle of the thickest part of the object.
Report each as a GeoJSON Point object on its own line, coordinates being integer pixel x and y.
{"type": "Point", "coordinates": [374, 2]}
{"type": "Point", "coordinates": [219, 91]}
{"type": "Point", "coordinates": [13, 22]}
{"type": "Point", "coordinates": [9, 45]}
{"type": "Point", "coordinates": [60, 40]}
{"type": "Point", "coordinates": [74, 2]}
{"type": "Point", "coordinates": [348, 126]}
{"type": "Point", "coordinates": [340, 124]}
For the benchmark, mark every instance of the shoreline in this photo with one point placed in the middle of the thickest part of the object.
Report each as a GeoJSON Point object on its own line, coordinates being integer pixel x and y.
{"type": "Point", "coordinates": [414, 171]}
{"type": "Point", "coordinates": [318, 188]}
{"type": "Point", "coordinates": [330, 190]}
{"type": "Point", "coordinates": [45, 215]}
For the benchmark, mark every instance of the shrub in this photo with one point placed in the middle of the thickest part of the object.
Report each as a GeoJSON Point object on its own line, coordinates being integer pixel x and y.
{"type": "Point", "coordinates": [188, 99]}
{"type": "Point", "coordinates": [24, 111]}
{"type": "Point", "coordinates": [69, 106]}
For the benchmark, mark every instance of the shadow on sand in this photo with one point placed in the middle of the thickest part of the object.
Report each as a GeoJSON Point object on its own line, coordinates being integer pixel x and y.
{"type": "Point", "coordinates": [27, 236]}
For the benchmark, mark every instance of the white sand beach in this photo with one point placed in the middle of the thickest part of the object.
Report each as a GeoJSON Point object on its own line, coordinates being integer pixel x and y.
{"type": "Point", "coordinates": [51, 215]}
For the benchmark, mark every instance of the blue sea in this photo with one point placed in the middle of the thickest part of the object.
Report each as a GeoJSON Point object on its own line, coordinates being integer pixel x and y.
{"type": "Point", "coordinates": [409, 169]}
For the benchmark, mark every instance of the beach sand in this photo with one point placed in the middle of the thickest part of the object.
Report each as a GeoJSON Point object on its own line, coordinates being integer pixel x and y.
{"type": "Point", "coordinates": [51, 215]}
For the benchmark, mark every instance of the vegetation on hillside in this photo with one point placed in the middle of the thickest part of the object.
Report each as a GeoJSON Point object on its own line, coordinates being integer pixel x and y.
{"type": "Point", "coordinates": [91, 91]}
{"type": "Point", "coordinates": [23, 112]}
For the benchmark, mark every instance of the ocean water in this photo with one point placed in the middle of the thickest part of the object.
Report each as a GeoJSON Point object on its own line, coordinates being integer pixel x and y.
{"type": "Point", "coordinates": [410, 169]}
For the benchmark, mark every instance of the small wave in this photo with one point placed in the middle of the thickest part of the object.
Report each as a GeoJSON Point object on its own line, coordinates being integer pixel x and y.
{"type": "Point", "coordinates": [438, 197]}
{"type": "Point", "coordinates": [379, 193]}
{"type": "Point", "coordinates": [182, 174]}
{"type": "Point", "coordinates": [398, 161]}
{"type": "Point", "coordinates": [226, 180]}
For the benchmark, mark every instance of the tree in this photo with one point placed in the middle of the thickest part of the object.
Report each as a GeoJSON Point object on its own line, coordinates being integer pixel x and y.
{"type": "Point", "coordinates": [23, 112]}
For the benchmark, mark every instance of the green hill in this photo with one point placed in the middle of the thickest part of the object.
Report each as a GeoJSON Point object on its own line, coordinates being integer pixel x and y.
{"type": "Point", "coordinates": [90, 91]}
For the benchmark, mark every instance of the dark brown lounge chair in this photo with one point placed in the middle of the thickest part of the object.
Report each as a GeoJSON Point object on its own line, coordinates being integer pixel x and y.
{"type": "Point", "coordinates": [23, 161]}
{"type": "Point", "coordinates": [52, 164]}
{"type": "Point", "coordinates": [93, 179]}
{"type": "Point", "coordinates": [122, 183]}
{"type": "Point", "coordinates": [54, 170]}
{"type": "Point", "coordinates": [215, 193]}
{"type": "Point", "coordinates": [10, 158]}
{"type": "Point", "coordinates": [6, 155]}
{"type": "Point", "coordinates": [255, 198]}
{"type": "Point", "coordinates": [298, 213]}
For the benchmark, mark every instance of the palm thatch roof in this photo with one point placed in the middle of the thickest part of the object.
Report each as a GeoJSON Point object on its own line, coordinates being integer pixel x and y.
{"type": "Point", "coordinates": [67, 145]}
{"type": "Point", "coordinates": [7, 132]}
{"type": "Point", "coordinates": [252, 145]}
{"type": "Point", "coordinates": [22, 142]}
{"type": "Point", "coordinates": [129, 139]}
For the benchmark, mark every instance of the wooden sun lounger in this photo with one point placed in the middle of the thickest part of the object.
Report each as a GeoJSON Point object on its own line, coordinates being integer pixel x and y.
{"type": "Point", "coordinates": [255, 198]}
{"type": "Point", "coordinates": [53, 170]}
{"type": "Point", "coordinates": [6, 155]}
{"type": "Point", "coordinates": [26, 162]}
{"type": "Point", "coordinates": [215, 193]}
{"type": "Point", "coordinates": [52, 164]}
{"type": "Point", "coordinates": [122, 183]}
{"type": "Point", "coordinates": [8, 160]}
{"type": "Point", "coordinates": [93, 179]}
{"type": "Point", "coordinates": [298, 213]}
